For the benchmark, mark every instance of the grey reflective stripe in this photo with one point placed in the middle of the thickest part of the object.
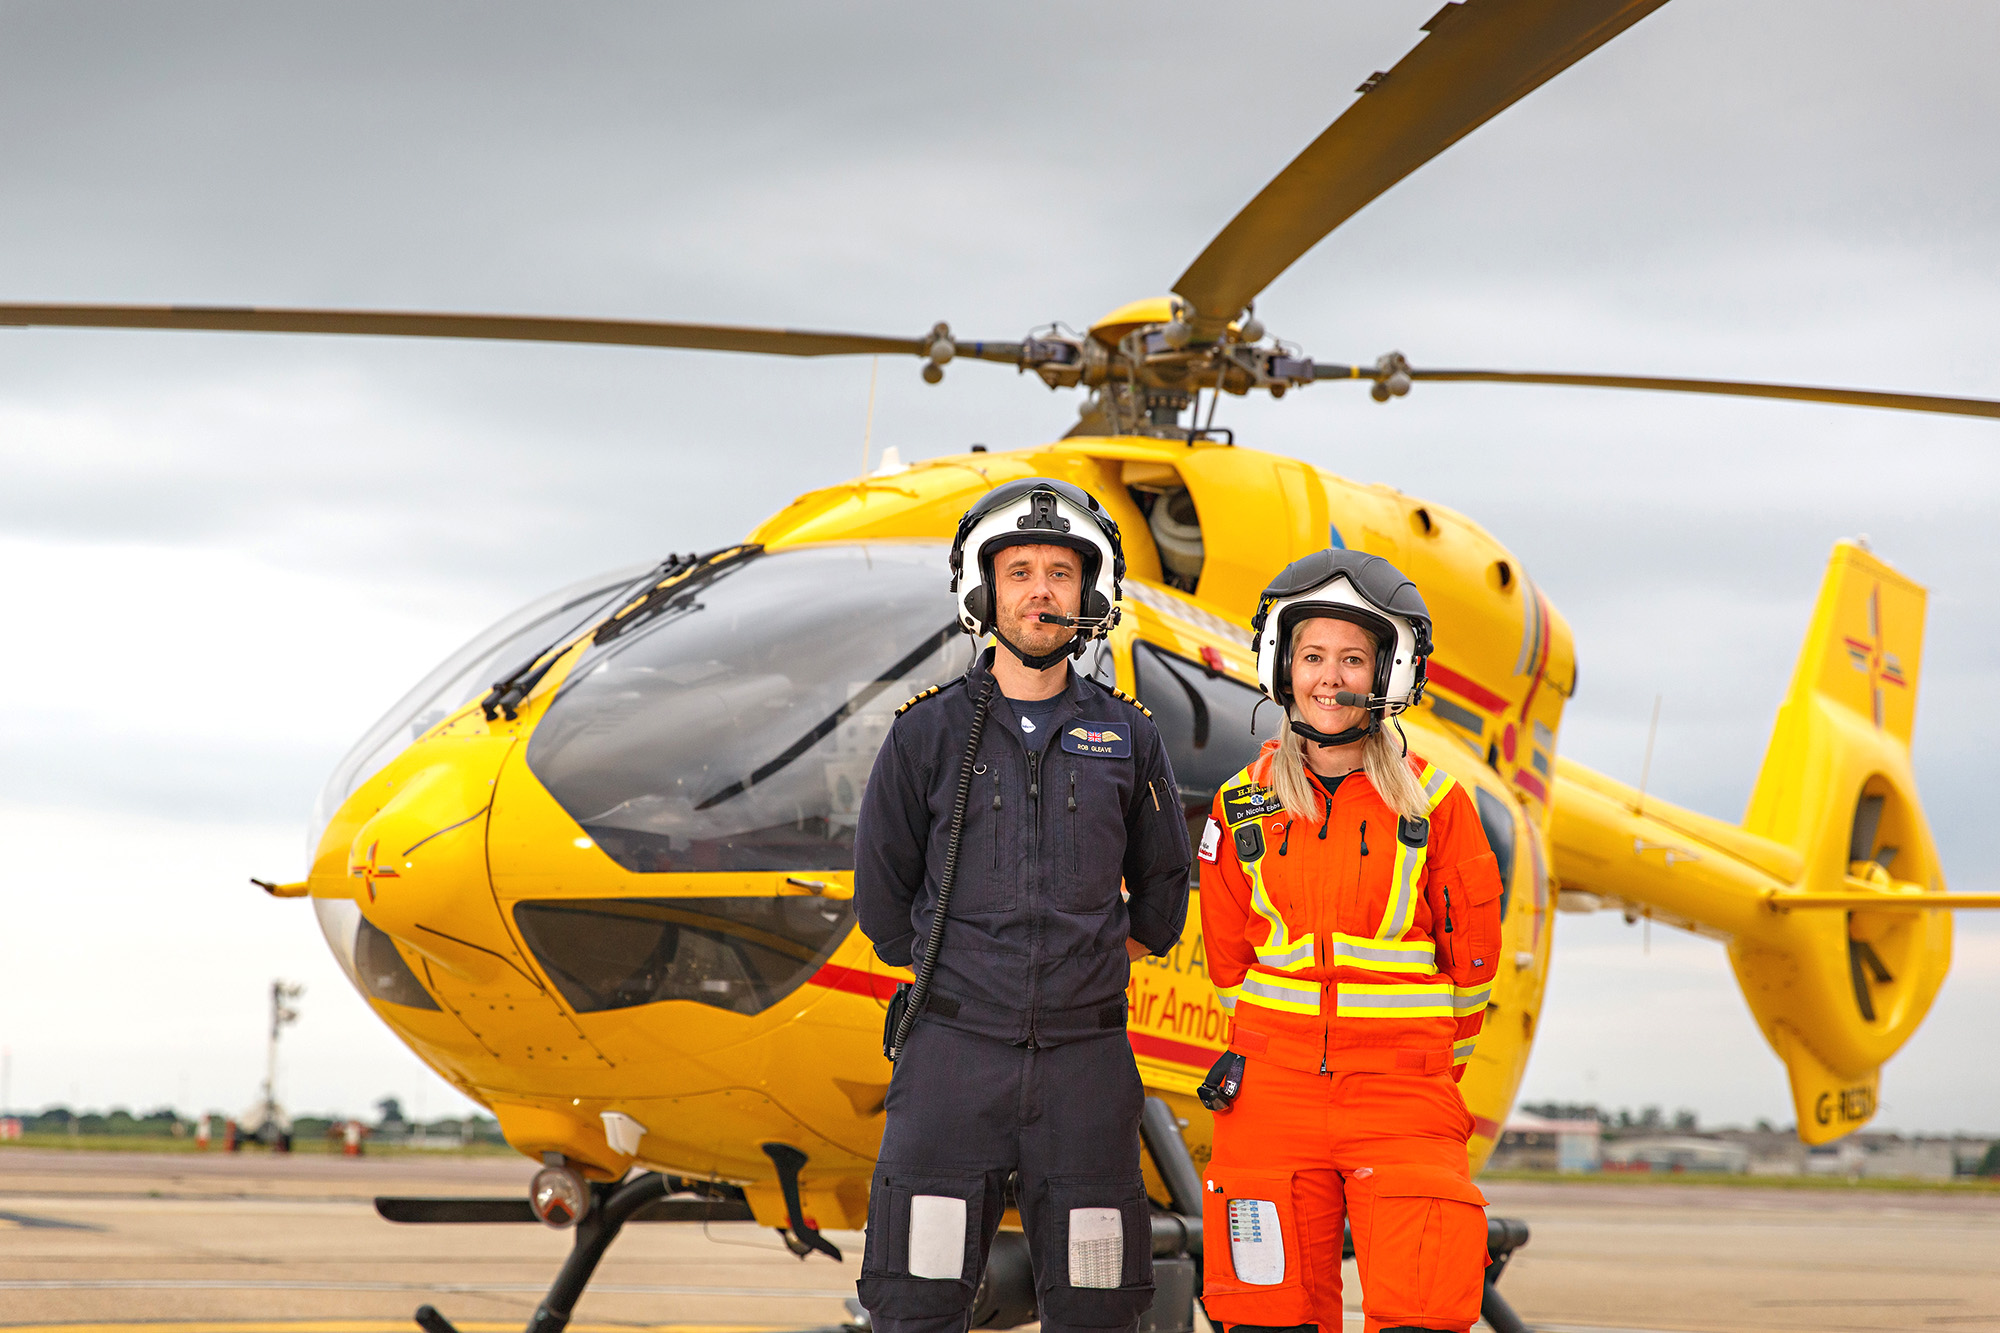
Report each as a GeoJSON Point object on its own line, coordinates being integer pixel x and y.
{"type": "Point", "coordinates": [1463, 1049]}
{"type": "Point", "coordinates": [1296, 956]}
{"type": "Point", "coordinates": [1432, 1000]}
{"type": "Point", "coordinates": [1412, 861]}
{"type": "Point", "coordinates": [1254, 986]}
{"type": "Point", "coordinates": [1439, 780]}
{"type": "Point", "coordinates": [1417, 955]}
{"type": "Point", "coordinates": [1476, 1000]}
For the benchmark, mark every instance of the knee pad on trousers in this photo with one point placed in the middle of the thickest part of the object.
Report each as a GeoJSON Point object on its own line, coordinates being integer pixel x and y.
{"type": "Point", "coordinates": [926, 1242]}
{"type": "Point", "coordinates": [1094, 1252]}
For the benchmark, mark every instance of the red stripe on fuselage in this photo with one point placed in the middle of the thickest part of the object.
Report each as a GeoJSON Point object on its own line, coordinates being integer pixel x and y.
{"type": "Point", "coordinates": [1180, 1052]}
{"type": "Point", "coordinates": [856, 982]}
{"type": "Point", "coordinates": [1483, 1126]}
{"type": "Point", "coordinates": [1471, 689]}
{"type": "Point", "coordinates": [853, 981]}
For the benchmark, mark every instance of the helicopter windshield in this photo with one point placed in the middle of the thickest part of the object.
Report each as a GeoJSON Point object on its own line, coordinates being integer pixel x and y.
{"type": "Point", "coordinates": [464, 675]}
{"type": "Point", "coordinates": [735, 730]}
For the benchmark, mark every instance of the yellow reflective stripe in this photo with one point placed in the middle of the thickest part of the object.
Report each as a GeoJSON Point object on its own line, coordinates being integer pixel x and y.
{"type": "Point", "coordinates": [1409, 999]}
{"type": "Point", "coordinates": [1403, 879]}
{"type": "Point", "coordinates": [1462, 1052]}
{"type": "Point", "coordinates": [1382, 955]}
{"type": "Point", "coordinates": [1226, 996]}
{"type": "Point", "coordinates": [1274, 992]}
{"type": "Point", "coordinates": [1280, 951]}
{"type": "Point", "coordinates": [1437, 784]}
{"type": "Point", "coordinates": [1408, 871]}
{"type": "Point", "coordinates": [1242, 779]}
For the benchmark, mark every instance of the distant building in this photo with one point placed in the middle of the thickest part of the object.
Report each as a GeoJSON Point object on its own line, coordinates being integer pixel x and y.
{"type": "Point", "coordinates": [1677, 1153]}
{"type": "Point", "coordinates": [1535, 1143]}
{"type": "Point", "coordinates": [1875, 1154]}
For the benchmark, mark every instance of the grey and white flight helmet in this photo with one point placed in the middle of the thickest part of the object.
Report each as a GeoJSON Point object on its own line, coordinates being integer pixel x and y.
{"type": "Point", "coordinates": [1038, 511]}
{"type": "Point", "coordinates": [1365, 590]}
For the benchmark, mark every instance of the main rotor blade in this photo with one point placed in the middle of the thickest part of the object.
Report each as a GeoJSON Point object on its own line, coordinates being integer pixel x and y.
{"type": "Point", "coordinates": [413, 324]}
{"type": "Point", "coordinates": [1480, 58]}
{"type": "Point", "coordinates": [1805, 393]}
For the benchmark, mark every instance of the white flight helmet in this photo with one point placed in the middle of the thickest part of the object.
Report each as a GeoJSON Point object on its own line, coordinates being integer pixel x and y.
{"type": "Point", "coordinates": [1038, 511]}
{"type": "Point", "coordinates": [1365, 590]}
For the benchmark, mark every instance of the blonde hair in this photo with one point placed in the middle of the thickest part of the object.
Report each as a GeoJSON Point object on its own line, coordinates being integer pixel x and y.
{"type": "Point", "coordinates": [1382, 760]}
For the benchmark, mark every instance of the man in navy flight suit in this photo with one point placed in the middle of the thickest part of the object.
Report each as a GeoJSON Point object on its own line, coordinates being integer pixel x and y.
{"type": "Point", "coordinates": [1018, 1062]}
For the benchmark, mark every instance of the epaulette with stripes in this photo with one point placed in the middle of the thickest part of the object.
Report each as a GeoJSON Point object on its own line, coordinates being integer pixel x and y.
{"type": "Point", "coordinates": [1134, 702]}
{"type": "Point", "coordinates": [920, 698]}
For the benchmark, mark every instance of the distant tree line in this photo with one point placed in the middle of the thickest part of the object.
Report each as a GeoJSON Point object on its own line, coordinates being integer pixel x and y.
{"type": "Point", "coordinates": [61, 1120]}
{"type": "Point", "coordinates": [165, 1122]}
{"type": "Point", "coordinates": [1647, 1120]}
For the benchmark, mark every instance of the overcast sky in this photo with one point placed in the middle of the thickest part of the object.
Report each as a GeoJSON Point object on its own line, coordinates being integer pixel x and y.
{"type": "Point", "coordinates": [224, 556]}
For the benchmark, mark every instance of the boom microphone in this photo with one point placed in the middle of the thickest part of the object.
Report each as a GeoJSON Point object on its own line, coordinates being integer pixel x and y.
{"type": "Point", "coordinates": [1075, 622]}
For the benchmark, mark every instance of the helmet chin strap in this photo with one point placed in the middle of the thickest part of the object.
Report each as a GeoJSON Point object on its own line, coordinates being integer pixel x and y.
{"type": "Point", "coordinates": [1352, 734]}
{"type": "Point", "coordinates": [1043, 661]}
{"type": "Point", "coordinates": [1348, 737]}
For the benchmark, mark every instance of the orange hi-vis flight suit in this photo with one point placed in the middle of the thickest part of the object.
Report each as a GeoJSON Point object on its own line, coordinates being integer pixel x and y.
{"type": "Point", "coordinates": [1356, 955]}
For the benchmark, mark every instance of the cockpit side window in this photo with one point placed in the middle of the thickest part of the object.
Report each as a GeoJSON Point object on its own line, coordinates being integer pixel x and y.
{"type": "Point", "coordinates": [736, 730]}
{"type": "Point", "coordinates": [464, 675]}
{"type": "Point", "coordinates": [1496, 816]}
{"type": "Point", "coordinates": [740, 954]}
{"type": "Point", "coordinates": [1204, 718]}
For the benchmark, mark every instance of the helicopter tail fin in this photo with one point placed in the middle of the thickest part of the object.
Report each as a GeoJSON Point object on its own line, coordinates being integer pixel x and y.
{"type": "Point", "coordinates": [1837, 972]}
{"type": "Point", "coordinates": [1837, 789]}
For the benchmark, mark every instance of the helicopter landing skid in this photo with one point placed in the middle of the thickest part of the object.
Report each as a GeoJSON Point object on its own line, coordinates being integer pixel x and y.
{"type": "Point", "coordinates": [641, 1199]}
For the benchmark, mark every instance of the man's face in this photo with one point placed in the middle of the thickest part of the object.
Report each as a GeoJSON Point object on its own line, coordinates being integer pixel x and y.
{"type": "Point", "coordinates": [1029, 580]}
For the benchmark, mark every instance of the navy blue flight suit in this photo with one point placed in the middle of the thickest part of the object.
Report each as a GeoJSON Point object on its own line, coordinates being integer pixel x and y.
{"type": "Point", "coordinates": [1019, 1062]}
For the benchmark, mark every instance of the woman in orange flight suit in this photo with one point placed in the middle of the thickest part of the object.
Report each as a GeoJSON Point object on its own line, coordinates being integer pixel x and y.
{"type": "Point", "coordinates": [1350, 906]}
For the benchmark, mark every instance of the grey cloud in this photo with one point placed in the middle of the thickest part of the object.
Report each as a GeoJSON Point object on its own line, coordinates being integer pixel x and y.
{"type": "Point", "coordinates": [45, 762]}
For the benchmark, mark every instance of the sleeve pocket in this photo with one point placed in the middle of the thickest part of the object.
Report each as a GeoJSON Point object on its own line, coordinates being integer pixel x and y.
{"type": "Point", "coordinates": [1472, 946]}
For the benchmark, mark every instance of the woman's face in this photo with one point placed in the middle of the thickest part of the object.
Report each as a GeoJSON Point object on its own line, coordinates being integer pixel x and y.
{"type": "Point", "coordinates": [1327, 656]}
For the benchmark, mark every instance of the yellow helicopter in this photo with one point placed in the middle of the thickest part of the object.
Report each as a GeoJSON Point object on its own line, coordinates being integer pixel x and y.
{"type": "Point", "coordinates": [596, 868]}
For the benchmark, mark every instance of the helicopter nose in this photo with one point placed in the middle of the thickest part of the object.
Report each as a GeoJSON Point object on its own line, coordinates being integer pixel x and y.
{"type": "Point", "coordinates": [417, 866]}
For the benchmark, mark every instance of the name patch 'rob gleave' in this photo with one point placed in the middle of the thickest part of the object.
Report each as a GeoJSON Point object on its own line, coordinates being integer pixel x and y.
{"type": "Point", "coordinates": [1098, 738]}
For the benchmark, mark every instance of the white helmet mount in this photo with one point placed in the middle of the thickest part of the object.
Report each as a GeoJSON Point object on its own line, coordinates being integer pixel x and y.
{"type": "Point", "coordinates": [1365, 590]}
{"type": "Point", "coordinates": [1038, 511]}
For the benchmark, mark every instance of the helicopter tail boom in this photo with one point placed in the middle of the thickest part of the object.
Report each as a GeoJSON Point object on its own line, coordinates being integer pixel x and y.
{"type": "Point", "coordinates": [1834, 824]}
